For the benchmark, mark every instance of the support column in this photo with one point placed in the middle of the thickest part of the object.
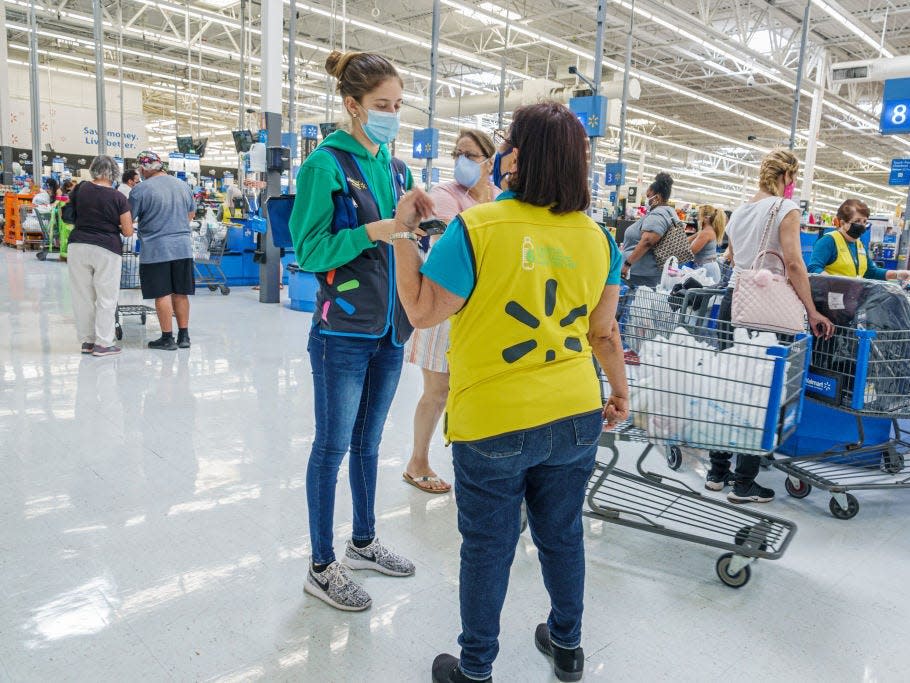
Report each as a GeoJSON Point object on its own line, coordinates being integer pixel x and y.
{"type": "Point", "coordinates": [799, 74]}
{"type": "Point", "coordinates": [6, 171]}
{"type": "Point", "coordinates": [434, 73]}
{"type": "Point", "coordinates": [292, 92]}
{"type": "Point", "coordinates": [815, 119]}
{"type": "Point", "coordinates": [598, 68]}
{"type": "Point", "coordinates": [99, 77]}
{"type": "Point", "coordinates": [500, 124]}
{"type": "Point", "coordinates": [272, 77]}
{"type": "Point", "coordinates": [34, 93]}
{"type": "Point", "coordinates": [623, 109]}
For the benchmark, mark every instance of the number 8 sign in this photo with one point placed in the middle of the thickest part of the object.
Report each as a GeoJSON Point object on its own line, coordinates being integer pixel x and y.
{"type": "Point", "coordinates": [895, 107]}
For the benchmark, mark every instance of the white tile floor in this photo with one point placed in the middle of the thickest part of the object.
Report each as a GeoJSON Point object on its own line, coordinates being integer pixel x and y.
{"type": "Point", "coordinates": [153, 527]}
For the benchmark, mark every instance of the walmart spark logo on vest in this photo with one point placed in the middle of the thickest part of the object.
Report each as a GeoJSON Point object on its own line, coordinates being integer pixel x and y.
{"type": "Point", "coordinates": [525, 317]}
{"type": "Point", "coordinates": [552, 257]}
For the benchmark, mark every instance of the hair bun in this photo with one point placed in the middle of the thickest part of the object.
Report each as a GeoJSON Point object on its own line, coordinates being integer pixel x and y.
{"type": "Point", "coordinates": [332, 63]}
{"type": "Point", "coordinates": [664, 178]}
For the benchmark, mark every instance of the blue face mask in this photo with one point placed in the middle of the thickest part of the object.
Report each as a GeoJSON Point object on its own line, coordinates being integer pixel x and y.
{"type": "Point", "coordinates": [467, 172]}
{"type": "Point", "coordinates": [381, 126]}
{"type": "Point", "coordinates": [498, 175]}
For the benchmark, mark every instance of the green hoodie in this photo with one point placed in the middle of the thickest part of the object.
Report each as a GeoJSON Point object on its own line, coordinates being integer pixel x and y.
{"type": "Point", "coordinates": [317, 249]}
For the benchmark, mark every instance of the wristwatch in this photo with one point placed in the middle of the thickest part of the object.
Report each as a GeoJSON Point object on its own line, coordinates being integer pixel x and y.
{"type": "Point", "coordinates": [403, 236]}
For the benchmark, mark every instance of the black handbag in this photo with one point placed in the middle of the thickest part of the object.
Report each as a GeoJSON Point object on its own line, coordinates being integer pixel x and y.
{"type": "Point", "coordinates": [68, 210]}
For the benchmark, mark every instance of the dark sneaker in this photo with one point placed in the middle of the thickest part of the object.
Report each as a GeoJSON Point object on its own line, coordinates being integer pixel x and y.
{"type": "Point", "coordinates": [378, 558]}
{"type": "Point", "coordinates": [183, 340]}
{"type": "Point", "coordinates": [105, 350]}
{"type": "Point", "coordinates": [446, 670]}
{"type": "Point", "coordinates": [569, 665]}
{"type": "Point", "coordinates": [714, 482]}
{"type": "Point", "coordinates": [88, 347]}
{"type": "Point", "coordinates": [750, 494]}
{"type": "Point", "coordinates": [163, 344]}
{"type": "Point", "coordinates": [336, 587]}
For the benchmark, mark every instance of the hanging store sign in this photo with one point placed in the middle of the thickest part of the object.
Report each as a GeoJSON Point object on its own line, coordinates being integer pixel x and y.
{"type": "Point", "coordinates": [895, 107]}
{"type": "Point", "coordinates": [615, 174]}
{"type": "Point", "coordinates": [900, 172]}
{"type": "Point", "coordinates": [592, 112]}
{"type": "Point", "coordinates": [309, 131]}
{"type": "Point", "coordinates": [425, 144]}
{"type": "Point", "coordinates": [423, 175]}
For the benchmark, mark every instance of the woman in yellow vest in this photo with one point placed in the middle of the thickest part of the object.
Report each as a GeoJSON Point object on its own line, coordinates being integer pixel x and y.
{"type": "Point", "coordinates": [531, 285]}
{"type": "Point", "coordinates": [842, 253]}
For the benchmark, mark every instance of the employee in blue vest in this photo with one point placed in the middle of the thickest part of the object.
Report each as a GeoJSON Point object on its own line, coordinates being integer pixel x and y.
{"type": "Point", "coordinates": [342, 225]}
{"type": "Point", "coordinates": [842, 253]}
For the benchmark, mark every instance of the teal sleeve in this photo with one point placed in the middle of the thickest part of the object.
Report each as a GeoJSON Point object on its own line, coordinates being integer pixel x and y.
{"type": "Point", "coordinates": [615, 260]}
{"type": "Point", "coordinates": [824, 253]}
{"type": "Point", "coordinates": [316, 248]}
{"type": "Point", "coordinates": [450, 263]}
{"type": "Point", "coordinates": [873, 272]}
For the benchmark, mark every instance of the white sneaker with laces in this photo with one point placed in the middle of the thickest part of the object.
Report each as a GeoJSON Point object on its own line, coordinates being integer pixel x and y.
{"type": "Point", "coordinates": [335, 586]}
{"type": "Point", "coordinates": [378, 558]}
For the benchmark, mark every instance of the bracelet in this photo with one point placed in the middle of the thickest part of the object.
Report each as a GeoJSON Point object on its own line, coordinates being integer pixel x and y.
{"type": "Point", "coordinates": [403, 236]}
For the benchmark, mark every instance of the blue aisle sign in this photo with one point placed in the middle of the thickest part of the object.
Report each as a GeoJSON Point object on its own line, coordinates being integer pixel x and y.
{"type": "Point", "coordinates": [310, 131]}
{"type": "Point", "coordinates": [289, 140]}
{"type": "Point", "coordinates": [423, 175]}
{"type": "Point", "coordinates": [900, 172]}
{"type": "Point", "coordinates": [895, 107]}
{"type": "Point", "coordinates": [615, 174]}
{"type": "Point", "coordinates": [592, 112]}
{"type": "Point", "coordinates": [425, 144]}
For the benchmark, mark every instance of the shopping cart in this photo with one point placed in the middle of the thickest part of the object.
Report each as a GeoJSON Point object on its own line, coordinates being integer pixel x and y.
{"type": "Point", "coordinates": [692, 385]}
{"type": "Point", "coordinates": [209, 243]}
{"type": "Point", "coordinates": [129, 280]}
{"type": "Point", "coordinates": [51, 243]}
{"type": "Point", "coordinates": [859, 383]}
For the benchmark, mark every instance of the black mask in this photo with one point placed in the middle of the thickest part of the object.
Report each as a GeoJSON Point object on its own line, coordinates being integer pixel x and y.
{"type": "Point", "coordinates": [856, 230]}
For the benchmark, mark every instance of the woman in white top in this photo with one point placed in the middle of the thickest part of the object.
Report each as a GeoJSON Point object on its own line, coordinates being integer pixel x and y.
{"type": "Point", "coordinates": [776, 180]}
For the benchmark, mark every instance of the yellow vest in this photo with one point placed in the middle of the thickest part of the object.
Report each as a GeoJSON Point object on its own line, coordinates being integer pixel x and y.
{"type": "Point", "coordinates": [844, 263]}
{"type": "Point", "coordinates": [518, 355]}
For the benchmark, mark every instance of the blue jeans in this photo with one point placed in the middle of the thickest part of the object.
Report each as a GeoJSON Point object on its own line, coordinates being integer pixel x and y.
{"type": "Point", "coordinates": [549, 468]}
{"type": "Point", "coordinates": [354, 382]}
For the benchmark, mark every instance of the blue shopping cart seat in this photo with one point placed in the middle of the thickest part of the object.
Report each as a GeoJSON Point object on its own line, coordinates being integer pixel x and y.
{"type": "Point", "coordinates": [279, 217]}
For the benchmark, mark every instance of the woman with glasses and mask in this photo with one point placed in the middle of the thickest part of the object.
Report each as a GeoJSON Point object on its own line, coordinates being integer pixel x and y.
{"type": "Point", "coordinates": [342, 225]}
{"type": "Point", "coordinates": [531, 284]}
{"type": "Point", "coordinates": [842, 253]}
{"type": "Point", "coordinates": [640, 267]}
{"type": "Point", "coordinates": [473, 156]}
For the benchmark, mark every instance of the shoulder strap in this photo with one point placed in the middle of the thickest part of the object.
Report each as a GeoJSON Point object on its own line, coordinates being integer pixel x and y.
{"type": "Point", "coordinates": [337, 156]}
{"type": "Point", "coordinates": [766, 235]}
{"type": "Point", "coordinates": [400, 175]}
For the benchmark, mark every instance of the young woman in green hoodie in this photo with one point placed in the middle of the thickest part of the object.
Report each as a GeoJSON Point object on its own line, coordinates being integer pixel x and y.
{"type": "Point", "coordinates": [343, 225]}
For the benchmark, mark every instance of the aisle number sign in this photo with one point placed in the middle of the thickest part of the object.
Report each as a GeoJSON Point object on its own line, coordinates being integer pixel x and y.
{"type": "Point", "coordinates": [895, 107]}
{"type": "Point", "coordinates": [309, 131]}
{"type": "Point", "coordinates": [615, 174]}
{"type": "Point", "coordinates": [900, 172]}
{"type": "Point", "coordinates": [425, 144]}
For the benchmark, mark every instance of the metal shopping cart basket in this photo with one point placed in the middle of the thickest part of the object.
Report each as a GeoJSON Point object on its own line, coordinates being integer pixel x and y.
{"type": "Point", "coordinates": [129, 279]}
{"type": "Point", "coordinates": [209, 243]}
{"type": "Point", "coordinates": [859, 384]}
{"type": "Point", "coordinates": [51, 243]}
{"type": "Point", "coordinates": [691, 386]}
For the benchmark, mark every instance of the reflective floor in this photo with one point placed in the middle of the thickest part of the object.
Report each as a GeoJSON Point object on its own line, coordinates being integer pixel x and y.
{"type": "Point", "coordinates": [153, 527]}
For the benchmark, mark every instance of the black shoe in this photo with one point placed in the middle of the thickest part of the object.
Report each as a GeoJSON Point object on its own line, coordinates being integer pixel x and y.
{"type": "Point", "coordinates": [163, 344]}
{"type": "Point", "coordinates": [717, 482]}
{"type": "Point", "coordinates": [183, 340]}
{"type": "Point", "coordinates": [569, 665]}
{"type": "Point", "coordinates": [753, 493]}
{"type": "Point", "coordinates": [445, 670]}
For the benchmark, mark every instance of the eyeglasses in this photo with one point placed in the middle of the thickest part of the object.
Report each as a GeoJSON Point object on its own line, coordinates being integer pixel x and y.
{"type": "Point", "coordinates": [500, 138]}
{"type": "Point", "coordinates": [479, 158]}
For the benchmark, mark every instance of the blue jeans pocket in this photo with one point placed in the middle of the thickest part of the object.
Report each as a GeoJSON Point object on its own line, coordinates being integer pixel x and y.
{"type": "Point", "coordinates": [588, 429]}
{"type": "Point", "coordinates": [499, 446]}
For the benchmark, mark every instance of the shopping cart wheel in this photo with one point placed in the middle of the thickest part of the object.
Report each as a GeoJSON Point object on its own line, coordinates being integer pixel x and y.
{"type": "Point", "coordinates": [798, 490]}
{"type": "Point", "coordinates": [225, 290]}
{"type": "Point", "coordinates": [841, 513]}
{"type": "Point", "coordinates": [743, 535]}
{"type": "Point", "coordinates": [892, 461]}
{"type": "Point", "coordinates": [118, 331]}
{"type": "Point", "coordinates": [737, 580]}
{"type": "Point", "coordinates": [41, 255]}
{"type": "Point", "coordinates": [212, 288]}
{"type": "Point", "coordinates": [674, 457]}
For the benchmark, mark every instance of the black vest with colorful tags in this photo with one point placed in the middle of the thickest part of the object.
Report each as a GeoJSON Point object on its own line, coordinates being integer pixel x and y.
{"type": "Point", "coordinates": [359, 298]}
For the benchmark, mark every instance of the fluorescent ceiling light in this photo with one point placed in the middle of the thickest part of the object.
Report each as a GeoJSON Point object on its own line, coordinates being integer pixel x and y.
{"type": "Point", "coordinates": [849, 23]}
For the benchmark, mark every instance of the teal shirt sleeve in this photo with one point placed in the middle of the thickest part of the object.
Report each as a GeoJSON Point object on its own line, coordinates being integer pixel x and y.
{"type": "Point", "coordinates": [615, 260]}
{"type": "Point", "coordinates": [316, 248]}
{"type": "Point", "coordinates": [450, 263]}
{"type": "Point", "coordinates": [873, 272]}
{"type": "Point", "coordinates": [824, 253]}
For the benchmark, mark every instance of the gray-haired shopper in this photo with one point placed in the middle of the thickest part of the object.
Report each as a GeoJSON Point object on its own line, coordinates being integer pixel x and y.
{"type": "Point", "coordinates": [94, 257]}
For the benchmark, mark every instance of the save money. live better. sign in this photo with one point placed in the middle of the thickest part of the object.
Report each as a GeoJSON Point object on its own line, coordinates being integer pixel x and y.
{"type": "Point", "coordinates": [130, 140]}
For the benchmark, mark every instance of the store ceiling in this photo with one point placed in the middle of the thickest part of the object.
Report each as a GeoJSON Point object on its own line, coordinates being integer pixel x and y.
{"type": "Point", "coordinates": [717, 76]}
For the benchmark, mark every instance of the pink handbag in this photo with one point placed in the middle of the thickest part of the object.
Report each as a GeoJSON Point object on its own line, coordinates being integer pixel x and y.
{"type": "Point", "coordinates": [763, 300]}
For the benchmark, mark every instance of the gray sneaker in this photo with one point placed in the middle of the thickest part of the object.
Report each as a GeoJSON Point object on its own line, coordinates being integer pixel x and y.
{"type": "Point", "coordinates": [378, 558]}
{"type": "Point", "coordinates": [336, 587]}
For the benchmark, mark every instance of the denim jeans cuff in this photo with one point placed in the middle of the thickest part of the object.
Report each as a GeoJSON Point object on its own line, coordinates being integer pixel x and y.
{"type": "Point", "coordinates": [368, 537]}
{"type": "Point", "coordinates": [476, 676]}
{"type": "Point", "coordinates": [328, 560]}
{"type": "Point", "coordinates": [562, 644]}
